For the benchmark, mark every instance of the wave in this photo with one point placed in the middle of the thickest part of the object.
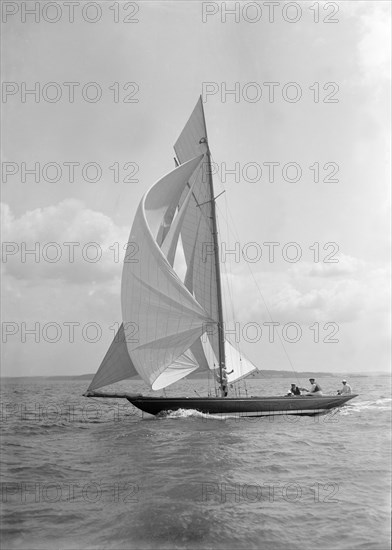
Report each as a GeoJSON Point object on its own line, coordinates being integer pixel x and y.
{"type": "Point", "coordinates": [380, 404]}
{"type": "Point", "coordinates": [191, 413]}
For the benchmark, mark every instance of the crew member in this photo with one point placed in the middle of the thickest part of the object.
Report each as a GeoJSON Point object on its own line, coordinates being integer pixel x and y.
{"type": "Point", "coordinates": [315, 388]}
{"type": "Point", "coordinates": [346, 389]}
{"type": "Point", "coordinates": [294, 390]}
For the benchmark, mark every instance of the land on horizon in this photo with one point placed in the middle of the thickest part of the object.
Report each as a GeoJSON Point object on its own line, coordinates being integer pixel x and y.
{"type": "Point", "coordinates": [258, 375]}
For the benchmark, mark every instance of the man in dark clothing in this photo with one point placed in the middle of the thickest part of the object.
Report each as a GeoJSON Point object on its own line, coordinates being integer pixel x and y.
{"type": "Point", "coordinates": [295, 390]}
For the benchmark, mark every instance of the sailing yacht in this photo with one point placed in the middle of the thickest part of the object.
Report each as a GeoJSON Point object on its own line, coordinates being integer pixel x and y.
{"type": "Point", "coordinates": [173, 324]}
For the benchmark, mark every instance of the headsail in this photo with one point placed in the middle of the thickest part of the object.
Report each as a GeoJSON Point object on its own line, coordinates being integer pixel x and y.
{"type": "Point", "coordinates": [168, 316]}
{"type": "Point", "coordinates": [237, 365]}
{"type": "Point", "coordinates": [116, 364]}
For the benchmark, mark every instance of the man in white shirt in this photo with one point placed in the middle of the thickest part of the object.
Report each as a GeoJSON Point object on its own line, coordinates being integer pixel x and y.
{"type": "Point", "coordinates": [346, 389]}
{"type": "Point", "coordinates": [315, 388]}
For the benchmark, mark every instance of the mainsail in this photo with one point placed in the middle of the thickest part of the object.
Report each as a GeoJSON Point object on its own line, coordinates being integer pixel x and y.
{"type": "Point", "coordinates": [197, 228]}
{"type": "Point", "coordinates": [177, 320]}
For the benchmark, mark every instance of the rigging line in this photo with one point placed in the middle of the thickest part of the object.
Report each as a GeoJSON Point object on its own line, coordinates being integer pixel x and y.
{"type": "Point", "coordinates": [229, 271]}
{"type": "Point", "coordinates": [194, 196]}
{"type": "Point", "coordinates": [211, 382]}
{"type": "Point", "coordinates": [228, 288]}
{"type": "Point", "coordinates": [228, 282]}
{"type": "Point", "coordinates": [213, 199]}
{"type": "Point", "coordinates": [190, 388]}
{"type": "Point", "coordinates": [261, 294]}
{"type": "Point", "coordinates": [265, 304]}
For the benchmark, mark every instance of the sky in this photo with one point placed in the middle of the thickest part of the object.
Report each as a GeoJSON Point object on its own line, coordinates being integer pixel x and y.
{"type": "Point", "coordinates": [114, 85]}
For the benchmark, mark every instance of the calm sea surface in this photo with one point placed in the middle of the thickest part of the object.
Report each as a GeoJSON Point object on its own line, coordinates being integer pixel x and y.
{"type": "Point", "coordinates": [86, 473]}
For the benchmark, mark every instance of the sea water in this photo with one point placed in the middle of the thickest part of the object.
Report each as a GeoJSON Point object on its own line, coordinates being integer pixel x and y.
{"type": "Point", "coordinates": [84, 473]}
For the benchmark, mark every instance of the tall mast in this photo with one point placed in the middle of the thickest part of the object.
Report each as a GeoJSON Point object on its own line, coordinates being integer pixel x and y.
{"type": "Point", "coordinates": [221, 332]}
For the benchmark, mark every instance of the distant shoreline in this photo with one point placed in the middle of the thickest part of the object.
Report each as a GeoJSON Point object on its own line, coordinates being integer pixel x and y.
{"type": "Point", "coordinates": [260, 375]}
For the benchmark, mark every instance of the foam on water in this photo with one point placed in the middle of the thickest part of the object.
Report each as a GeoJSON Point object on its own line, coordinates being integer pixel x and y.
{"type": "Point", "coordinates": [191, 413]}
{"type": "Point", "coordinates": [381, 404]}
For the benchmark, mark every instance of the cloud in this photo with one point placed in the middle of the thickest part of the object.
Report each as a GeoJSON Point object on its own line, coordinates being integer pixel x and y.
{"type": "Point", "coordinates": [339, 302]}
{"type": "Point", "coordinates": [342, 293]}
{"type": "Point", "coordinates": [344, 266]}
{"type": "Point", "coordinates": [374, 50]}
{"type": "Point", "coordinates": [65, 241]}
